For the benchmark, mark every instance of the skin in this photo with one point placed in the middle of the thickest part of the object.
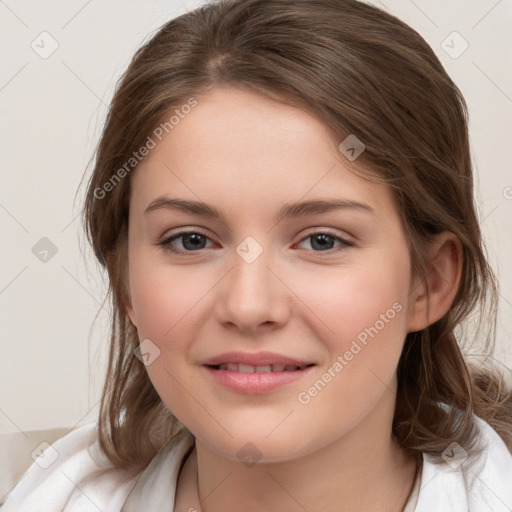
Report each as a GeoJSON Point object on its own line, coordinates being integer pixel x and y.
{"type": "Point", "coordinates": [248, 155]}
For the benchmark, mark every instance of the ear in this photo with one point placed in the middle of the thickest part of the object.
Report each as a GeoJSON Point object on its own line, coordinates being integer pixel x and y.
{"type": "Point", "coordinates": [445, 270]}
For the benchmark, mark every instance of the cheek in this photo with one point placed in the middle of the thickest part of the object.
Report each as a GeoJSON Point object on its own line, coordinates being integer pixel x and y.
{"type": "Point", "coordinates": [162, 298]}
{"type": "Point", "coordinates": [366, 324]}
{"type": "Point", "coordinates": [357, 298]}
{"type": "Point", "coordinates": [363, 329]}
{"type": "Point", "coordinates": [168, 302]}
{"type": "Point", "coordinates": [165, 315]}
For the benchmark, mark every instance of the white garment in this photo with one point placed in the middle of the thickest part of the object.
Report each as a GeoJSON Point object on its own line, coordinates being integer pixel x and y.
{"type": "Point", "coordinates": [81, 480]}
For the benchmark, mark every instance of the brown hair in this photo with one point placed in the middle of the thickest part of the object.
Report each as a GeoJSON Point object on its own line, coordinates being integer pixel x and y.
{"type": "Point", "coordinates": [361, 71]}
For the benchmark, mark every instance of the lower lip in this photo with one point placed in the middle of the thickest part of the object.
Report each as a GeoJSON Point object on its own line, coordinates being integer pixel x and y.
{"type": "Point", "coordinates": [258, 382]}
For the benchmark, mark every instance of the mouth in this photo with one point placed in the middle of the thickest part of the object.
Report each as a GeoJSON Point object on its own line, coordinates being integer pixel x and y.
{"type": "Point", "coordinates": [247, 368]}
{"type": "Point", "coordinates": [254, 380]}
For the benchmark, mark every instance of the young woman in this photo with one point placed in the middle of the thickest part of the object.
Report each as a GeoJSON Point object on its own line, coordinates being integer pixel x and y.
{"type": "Point", "coordinates": [283, 199]}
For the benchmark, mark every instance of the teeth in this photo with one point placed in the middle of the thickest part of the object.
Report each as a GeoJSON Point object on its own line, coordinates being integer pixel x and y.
{"type": "Point", "coordinates": [262, 369]}
{"type": "Point", "coordinates": [247, 368]}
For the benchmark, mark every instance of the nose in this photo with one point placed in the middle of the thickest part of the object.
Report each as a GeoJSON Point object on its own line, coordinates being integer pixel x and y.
{"type": "Point", "coordinates": [252, 297]}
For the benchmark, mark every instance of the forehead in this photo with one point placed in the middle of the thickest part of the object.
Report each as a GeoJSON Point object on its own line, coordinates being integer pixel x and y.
{"type": "Point", "coordinates": [244, 150]}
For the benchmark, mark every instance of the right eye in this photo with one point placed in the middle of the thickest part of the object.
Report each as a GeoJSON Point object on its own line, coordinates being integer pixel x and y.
{"type": "Point", "coordinates": [192, 241]}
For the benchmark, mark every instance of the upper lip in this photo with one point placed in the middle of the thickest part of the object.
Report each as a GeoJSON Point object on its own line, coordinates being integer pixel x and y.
{"type": "Point", "coordinates": [255, 359]}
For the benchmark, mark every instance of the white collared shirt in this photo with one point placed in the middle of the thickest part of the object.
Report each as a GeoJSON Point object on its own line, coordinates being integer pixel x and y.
{"type": "Point", "coordinates": [81, 479]}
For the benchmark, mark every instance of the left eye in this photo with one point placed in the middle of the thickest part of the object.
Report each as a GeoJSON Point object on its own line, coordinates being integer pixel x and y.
{"type": "Point", "coordinates": [321, 240]}
{"type": "Point", "coordinates": [193, 241]}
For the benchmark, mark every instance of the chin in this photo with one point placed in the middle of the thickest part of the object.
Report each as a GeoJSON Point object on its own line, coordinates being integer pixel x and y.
{"type": "Point", "coordinates": [254, 445]}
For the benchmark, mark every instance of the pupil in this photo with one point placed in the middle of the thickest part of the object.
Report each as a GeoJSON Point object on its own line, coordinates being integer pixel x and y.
{"type": "Point", "coordinates": [323, 242]}
{"type": "Point", "coordinates": [194, 239]}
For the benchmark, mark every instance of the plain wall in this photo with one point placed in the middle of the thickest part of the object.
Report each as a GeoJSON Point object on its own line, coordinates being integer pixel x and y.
{"type": "Point", "coordinates": [52, 110]}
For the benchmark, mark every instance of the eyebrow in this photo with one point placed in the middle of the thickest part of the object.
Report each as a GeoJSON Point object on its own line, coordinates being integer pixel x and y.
{"type": "Point", "coordinates": [289, 210]}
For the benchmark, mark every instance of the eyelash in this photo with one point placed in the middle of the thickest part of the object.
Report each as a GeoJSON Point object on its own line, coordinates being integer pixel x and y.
{"type": "Point", "coordinates": [166, 242]}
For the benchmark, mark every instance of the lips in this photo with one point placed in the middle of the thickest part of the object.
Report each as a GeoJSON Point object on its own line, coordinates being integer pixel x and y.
{"type": "Point", "coordinates": [256, 373]}
{"type": "Point", "coordinates": [247, 362]}
{"type": "Point", "coordinates": [246, 381]}
{"type": "Point", "coordinates": [247, 368]}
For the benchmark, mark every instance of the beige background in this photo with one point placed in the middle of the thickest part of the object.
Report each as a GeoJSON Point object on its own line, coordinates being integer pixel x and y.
{"type": "Point", "coordinates": [52, 110]}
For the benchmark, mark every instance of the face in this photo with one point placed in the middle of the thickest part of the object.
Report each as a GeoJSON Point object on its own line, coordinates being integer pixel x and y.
{"type": "Point", "coordinates": [328, 288]}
